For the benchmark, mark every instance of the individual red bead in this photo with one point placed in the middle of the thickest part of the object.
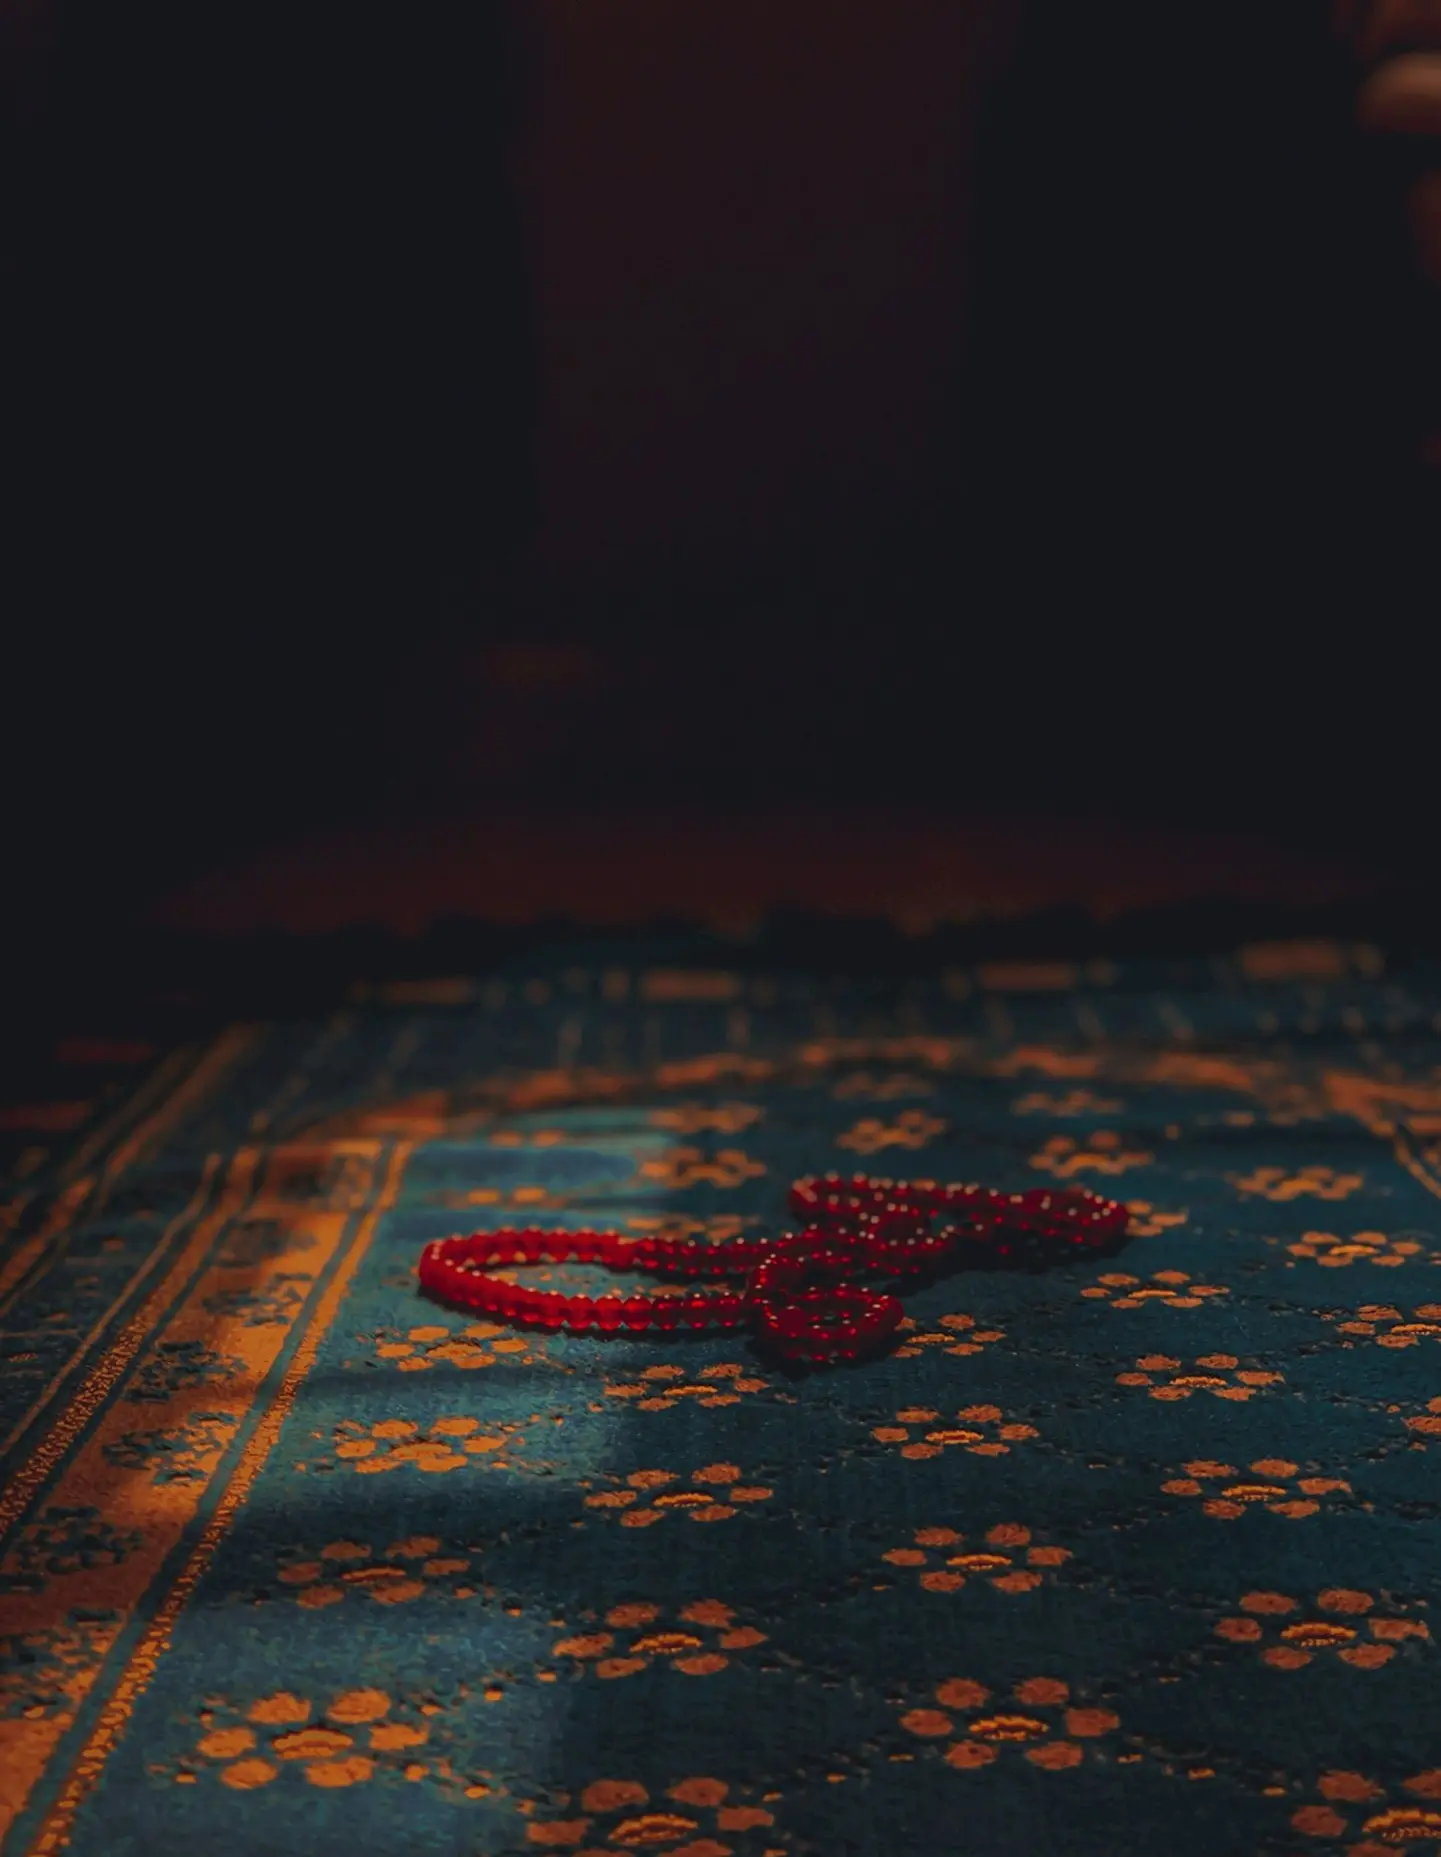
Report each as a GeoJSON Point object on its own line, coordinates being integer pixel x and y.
{"type": "Point", "coordinates": [579, 1314]}
{"type": "Point", "coordinates": [636, 1312]}
{"type": "Point", "coordinates": [608, 1314]}
{"type": "Point", "coordinates": [667, 1313]}
{"type": "Point", "coordinates": [475, 1288]}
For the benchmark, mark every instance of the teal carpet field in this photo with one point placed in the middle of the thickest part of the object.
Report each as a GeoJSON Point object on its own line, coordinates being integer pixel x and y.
{"type": "Point", "coordinates": [1139, 1554]}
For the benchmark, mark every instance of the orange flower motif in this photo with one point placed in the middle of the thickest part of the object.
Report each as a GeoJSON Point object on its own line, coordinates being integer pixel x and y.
{"type": "Point", "coordinates": [1172, 1289]}
{"type": "Point", "coordinates": [446, 1444]}
{"type": "Point", "coordinates": [1066, 1103]}
{"type": "Point", "coordinates": [469, 1346]}
{"type": "Point", "coordinates": [650, 1495]}
{"type": "Point", "coordinates": [1334, 1253]}
{"type": "Point", "coordinates": [685, 1167]}
{"type": "Point", "coordinates": [705, 1118]}
{"type": "Point", "coordinates": [1048, 1730]}
{"type": "Point", "coordinates": [1387, 1828]}
{"type": "Point", "coordinates": [1148, 1221]}
{"type": "Point", "coordinates": [1386, 1327]}
{"type": "Point", "coordinates": [1221, 1375]}
{"type": "Point", "coordinates": [1009, 1560]}
{"type": "Point", "coordinates": [630, 1820]}
{"type": "Point", "coordinates": [1047, 1061]}
{"type": "Point", "coordinates": [1300, 1640]}
{"type": "Point", "coordinates": [700, 1643]}
{"type": "Point", "coordinates": [1274, 1485]}
{"type": "Point", "coordinates": [982, 1430]}
{"type": "Point", "coordinates": [406, 1570]}
{"type": "Point", "coordinates": [658, 1388]}
{"type": "Point", "coordinates": [356, 1736]}
{"type": "Point", "coordinates": [1103, 1153]}
{"type": "Point", "coordinates": [912, 1128]}
{"type": "Point", "coordinates": [1308, 1182]}
{"type": "Point", "coordinates": [959, 1335]}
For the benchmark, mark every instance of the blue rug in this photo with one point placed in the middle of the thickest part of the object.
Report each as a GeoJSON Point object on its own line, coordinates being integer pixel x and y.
{"type": "Point", "coordinates": [1129, 1554]}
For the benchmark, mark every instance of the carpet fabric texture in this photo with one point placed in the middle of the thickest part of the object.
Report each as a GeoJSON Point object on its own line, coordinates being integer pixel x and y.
{"type": "Point", "coordinates": [1134, 1552]}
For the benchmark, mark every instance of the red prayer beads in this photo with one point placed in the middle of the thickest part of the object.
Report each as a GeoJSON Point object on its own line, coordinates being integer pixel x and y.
{"type": "Point", "coordinates": [802, 1293]}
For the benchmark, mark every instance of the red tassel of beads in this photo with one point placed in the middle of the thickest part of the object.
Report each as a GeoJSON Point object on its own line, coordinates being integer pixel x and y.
{"type": "Point", "coordinates": [802, 1293]}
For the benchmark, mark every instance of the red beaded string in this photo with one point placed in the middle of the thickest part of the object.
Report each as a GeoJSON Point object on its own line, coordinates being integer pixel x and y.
{"type": "Point", "coordinates": [802, 1292]}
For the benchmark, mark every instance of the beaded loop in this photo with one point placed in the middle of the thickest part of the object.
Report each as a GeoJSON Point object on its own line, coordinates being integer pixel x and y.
{"type": "Point", "coordinates": [802, 1292]}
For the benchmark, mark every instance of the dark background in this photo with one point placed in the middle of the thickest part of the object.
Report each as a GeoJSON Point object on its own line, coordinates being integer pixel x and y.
{"type": "Point", "coordinates": [286, 540]}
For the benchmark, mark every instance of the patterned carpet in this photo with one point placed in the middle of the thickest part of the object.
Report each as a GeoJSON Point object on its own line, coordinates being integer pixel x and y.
{"type": "Point", "coordinates": [1131, 1551]}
